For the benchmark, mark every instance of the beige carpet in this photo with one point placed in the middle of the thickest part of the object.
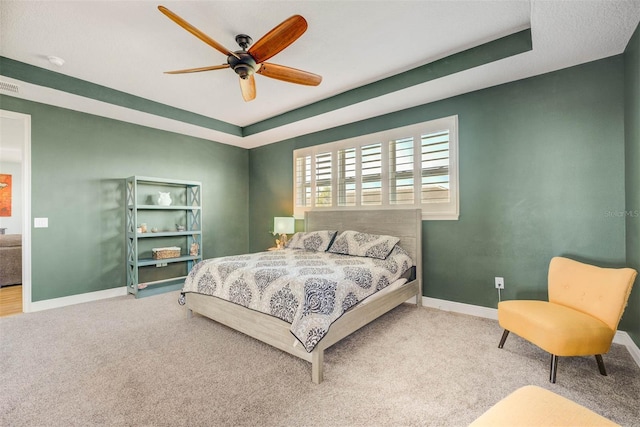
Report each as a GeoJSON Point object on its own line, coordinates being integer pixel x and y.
{"type": "Point", "coordinates": [127, 362]}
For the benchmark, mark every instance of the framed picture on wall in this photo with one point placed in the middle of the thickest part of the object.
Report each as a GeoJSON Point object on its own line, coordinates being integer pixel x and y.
{"type": "Point", "coordinates": [5, 194]}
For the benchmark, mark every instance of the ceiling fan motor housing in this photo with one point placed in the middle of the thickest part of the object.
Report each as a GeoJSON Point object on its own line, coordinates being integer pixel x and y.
{"type": "Point", "coordinates": [244, 66]}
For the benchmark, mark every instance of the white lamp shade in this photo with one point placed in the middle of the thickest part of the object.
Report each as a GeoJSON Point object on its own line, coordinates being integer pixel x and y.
{"type": "Point", "coordinates": [284, 225]}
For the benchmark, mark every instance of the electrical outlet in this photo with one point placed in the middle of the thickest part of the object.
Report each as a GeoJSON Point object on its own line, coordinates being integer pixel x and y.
{"type": "Point", "coordinates": [499, 282]}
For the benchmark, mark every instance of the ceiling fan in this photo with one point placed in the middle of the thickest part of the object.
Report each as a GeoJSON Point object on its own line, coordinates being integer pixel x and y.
{"type": "Point", "coordinates": [247, 62]}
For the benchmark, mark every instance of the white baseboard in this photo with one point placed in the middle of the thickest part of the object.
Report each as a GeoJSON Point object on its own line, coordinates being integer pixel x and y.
{"type": "Point", "coordinates": [621, 337]}
{"type": "Point", "coordinates": [462, 308]}
{"type": "Point", "coordinates": [77, 299]}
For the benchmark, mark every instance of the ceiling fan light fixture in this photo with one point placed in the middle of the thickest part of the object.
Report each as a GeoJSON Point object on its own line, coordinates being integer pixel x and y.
{"type": "Point", "coordinates": [244, 72]}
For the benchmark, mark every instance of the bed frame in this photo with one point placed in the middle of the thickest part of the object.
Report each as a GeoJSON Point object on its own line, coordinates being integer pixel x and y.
{"type": "Point", "coordinates": [403, 223]}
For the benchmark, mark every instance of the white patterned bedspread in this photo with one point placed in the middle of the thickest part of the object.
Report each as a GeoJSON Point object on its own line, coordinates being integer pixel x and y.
{"type": "Point", "coordinates": [308, 289]}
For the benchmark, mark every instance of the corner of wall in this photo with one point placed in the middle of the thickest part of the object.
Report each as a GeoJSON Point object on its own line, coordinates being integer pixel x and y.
{"type": "Point", "coordinates": [632, 175]}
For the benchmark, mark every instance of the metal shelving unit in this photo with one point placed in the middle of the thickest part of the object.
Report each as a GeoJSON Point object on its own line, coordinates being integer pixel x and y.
{"type": "Point", "coordinates": [168, 274]}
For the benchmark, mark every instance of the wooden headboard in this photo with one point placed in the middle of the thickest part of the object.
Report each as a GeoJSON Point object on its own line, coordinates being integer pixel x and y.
{"type": "Point", "coordinates": [405, 224]}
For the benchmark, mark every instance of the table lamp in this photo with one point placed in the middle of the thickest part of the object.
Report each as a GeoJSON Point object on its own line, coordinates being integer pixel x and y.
{"type": "Point", "coordinates": [283, 225]}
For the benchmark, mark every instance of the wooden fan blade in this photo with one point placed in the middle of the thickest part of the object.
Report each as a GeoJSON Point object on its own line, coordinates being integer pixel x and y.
{"type": "Point", "coordinates": [196, 32]}
{"type": "Point", "coordinates": [248, 88]}
{"type": "Point", "coordinates": [288, 74]}
{"type": "Point", "coordinates": [278, 38]}
{"type": "Point", "coordinates": [197, 70]}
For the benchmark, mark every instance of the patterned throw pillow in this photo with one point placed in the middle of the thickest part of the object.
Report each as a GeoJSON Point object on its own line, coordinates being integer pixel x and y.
{"type": "Point", "coordinates": [318, 241]}
{"type": "Point", "coordinates": [363, 244]}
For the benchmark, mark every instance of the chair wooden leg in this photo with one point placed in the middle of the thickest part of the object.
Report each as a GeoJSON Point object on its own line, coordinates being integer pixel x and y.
{"type": "Point", "coordinates": [601, 365]}
{"type": "Point", "coordinates": [505, 334]}
{"type": "Point", "coordinates": [554, 369]}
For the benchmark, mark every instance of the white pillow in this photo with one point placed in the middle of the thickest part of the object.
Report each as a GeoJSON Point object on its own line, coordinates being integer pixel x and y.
{"type": "Point", "coordinates": [363, 244]}
{"type": "Point", "coordinates": [318, 241]}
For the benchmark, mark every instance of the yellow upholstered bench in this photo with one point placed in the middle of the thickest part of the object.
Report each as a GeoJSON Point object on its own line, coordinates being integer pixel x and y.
{"type": "Point", "coordinates": [535, 406]}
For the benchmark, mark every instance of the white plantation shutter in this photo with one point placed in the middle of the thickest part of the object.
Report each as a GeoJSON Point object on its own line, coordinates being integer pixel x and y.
{"type": "Point", "coordinates": [401, 170]}
{"type": "Point", "coordinates": [323, 179]}
{"type": "Point", "coordinates": [303, 181]}
{"type": "Point", "coordinates": [371, 175]}
{"type": "Point", "coordinates": [413, 166]}
{"type": "Point", "coordinates": [347, 177]}
{"type": "Point", "coordinates": [435, 167]}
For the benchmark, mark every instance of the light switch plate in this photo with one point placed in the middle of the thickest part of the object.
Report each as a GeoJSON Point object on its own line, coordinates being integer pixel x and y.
{"type": "Point", "coordinates": [40, 222]}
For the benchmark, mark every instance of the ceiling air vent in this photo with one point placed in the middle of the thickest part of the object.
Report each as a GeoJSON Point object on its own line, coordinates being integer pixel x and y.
{"type": "Point", "coordinates": [9, 87]}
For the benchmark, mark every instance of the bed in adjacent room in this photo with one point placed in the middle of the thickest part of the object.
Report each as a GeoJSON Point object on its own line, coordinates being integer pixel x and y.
{"type": "Point", "coordinates": [347, 269]}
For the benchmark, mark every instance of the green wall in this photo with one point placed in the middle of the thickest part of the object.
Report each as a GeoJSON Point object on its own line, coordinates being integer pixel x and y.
{"type": "Point", "coordinates": [270, 191]}
{"type": "Point", "coordinates": [541, 172]}
{"type": "Point", "coordinates": [78, 165]}
{"type": "Point", "coordinates": [547, 166]}
{"type": "Point", "coordinates": [632, 170]}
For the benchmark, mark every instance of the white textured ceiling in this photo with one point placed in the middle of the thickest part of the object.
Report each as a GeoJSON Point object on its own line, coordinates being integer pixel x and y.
{"type": "Point", "coordinates": [126, 45]}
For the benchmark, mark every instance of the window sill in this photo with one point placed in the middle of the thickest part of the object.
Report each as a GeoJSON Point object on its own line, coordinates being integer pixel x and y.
{"type": "Point", "coordinates": [426, 216]}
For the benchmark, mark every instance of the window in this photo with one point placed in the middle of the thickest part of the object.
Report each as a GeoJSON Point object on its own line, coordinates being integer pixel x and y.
{"type": "Point", "coordinates": [371, 174]}
{"type": "Point", "coordinates": [413, 166]}
{"type": "Point", "coordinates": [347, 177]}
{"type": "Point", "coordinates": [323, 179]}
{"type": "Point", "coordinates": [303, 181]}
{"type": "Point", "coordinates": [401, 172]}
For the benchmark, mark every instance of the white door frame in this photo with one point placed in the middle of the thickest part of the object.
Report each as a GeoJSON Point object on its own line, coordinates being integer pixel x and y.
{"type": "Point", "coordinates": [26, 205]}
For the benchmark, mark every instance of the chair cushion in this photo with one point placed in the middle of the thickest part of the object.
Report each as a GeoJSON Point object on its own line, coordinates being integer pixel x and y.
{"type": "Point", "coordinates": [555, 328]}
{"type": "Point", "coordinates": [535, 406]}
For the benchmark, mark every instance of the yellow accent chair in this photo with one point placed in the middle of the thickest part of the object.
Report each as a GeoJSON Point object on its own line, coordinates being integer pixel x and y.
{"type": "Point", "coordinates": [581, 317]}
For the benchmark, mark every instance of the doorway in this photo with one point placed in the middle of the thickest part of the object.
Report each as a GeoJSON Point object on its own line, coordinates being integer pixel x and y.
{"type": "Point", "coordinates": [15, 161]}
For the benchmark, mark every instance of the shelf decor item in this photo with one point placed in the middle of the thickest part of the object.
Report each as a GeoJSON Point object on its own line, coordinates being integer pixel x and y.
{"type": "Point", "coordinates": [164, 198]}
{"type": "Point", "coordinates": [164, 253]}
{"type": "Point", "coordinates": [194, 250]}
{"type": "Point", "coordinates": [163, 203]}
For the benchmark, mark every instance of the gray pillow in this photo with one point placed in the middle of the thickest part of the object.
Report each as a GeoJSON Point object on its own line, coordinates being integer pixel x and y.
{"type": "Point", "coordinates": [318, 241]}
{"type": "Point", "coordinates": [363, 244]}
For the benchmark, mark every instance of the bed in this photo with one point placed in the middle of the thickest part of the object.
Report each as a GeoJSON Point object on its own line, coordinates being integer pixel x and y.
{"type": "Point", "coordinates": [406, 224]}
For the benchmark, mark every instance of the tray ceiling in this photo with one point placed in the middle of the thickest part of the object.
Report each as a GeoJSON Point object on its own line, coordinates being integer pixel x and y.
{"type": "Point", "coordinates": [127, 45]}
